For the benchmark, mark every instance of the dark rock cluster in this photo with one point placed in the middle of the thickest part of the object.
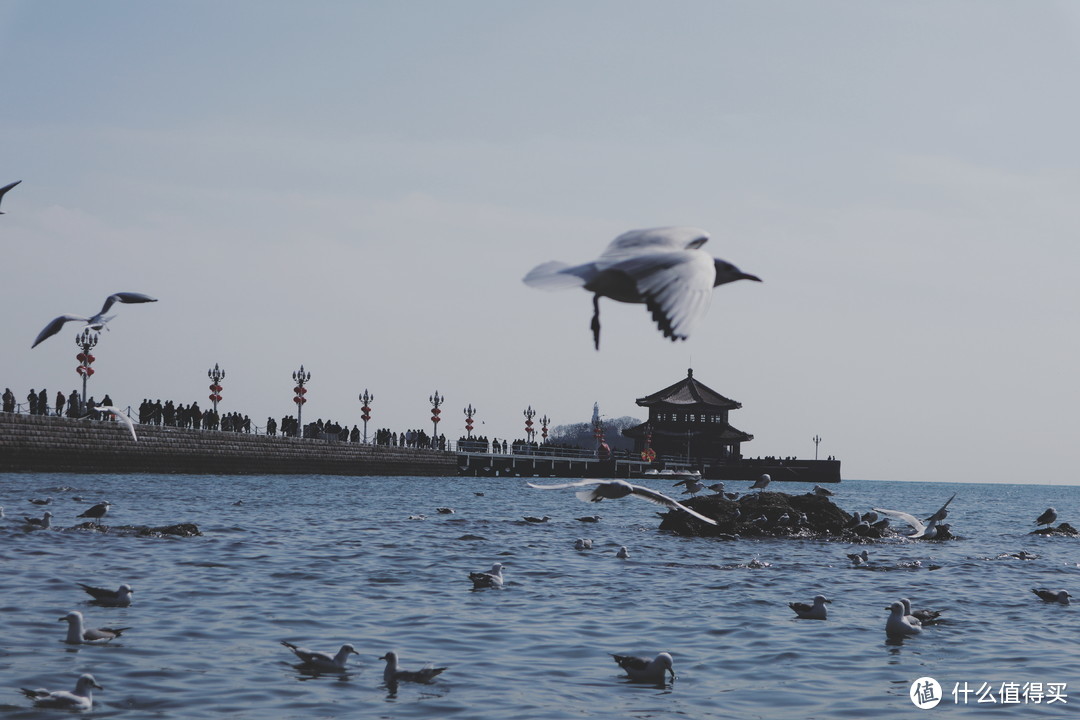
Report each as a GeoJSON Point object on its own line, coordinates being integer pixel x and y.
{"type": "Point", "coordinates": [1062, 529]}
{"type": "Point", "coordinates": [177, 530]}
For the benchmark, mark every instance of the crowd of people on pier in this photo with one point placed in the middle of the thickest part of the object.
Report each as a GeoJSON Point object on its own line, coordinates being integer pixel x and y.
{"type": "Point", "coordinates": [191, 416]}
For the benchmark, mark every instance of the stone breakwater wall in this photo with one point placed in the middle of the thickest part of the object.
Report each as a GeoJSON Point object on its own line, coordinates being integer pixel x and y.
{"type": "Point", "coordinates": [56, 444]}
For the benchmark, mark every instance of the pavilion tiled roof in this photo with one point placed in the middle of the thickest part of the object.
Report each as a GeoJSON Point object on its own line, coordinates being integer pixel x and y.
{"type": "Point", "coordinates": [689, 391]}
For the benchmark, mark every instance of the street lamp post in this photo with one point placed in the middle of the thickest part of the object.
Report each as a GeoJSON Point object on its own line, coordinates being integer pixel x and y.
{"type": "Point", "coordinates": [216, 375]}
{"type": "Point", "coordinates": [529, 415]}
{"type": "Point", "coordinates": [367, 398]}
{"type": "Point", "coordinates": [544, 422]}
{"type": "Point", "coordinates": [86, 340]}
{"type": "Point", "coordinates": [436, 400]}
{"type": "Point", "coordinates": [300, 377]}
{"type": "Point", "coordinates": [469, 412]}
{"type": "Point", "coordinates": [817, 441]}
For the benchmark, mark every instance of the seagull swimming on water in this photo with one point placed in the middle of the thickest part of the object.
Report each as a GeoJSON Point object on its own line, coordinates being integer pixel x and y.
{"type": "Point", "coordinates": [120, 597]}
{"type": "Point", "coordinates": [94, 322]}
{"type": "Point", "coordinates": [42, 523]}
{"type": "Point", "coordinates": [1047, 518]}
{"type": "Point", "coordinates": [614, 489]}
{"type": "Point", "coordinates": [491, 579]}
{"type": "Point", "coordinates": [4, 190]}
{"type": "Point", "coordinates": [898, 625]}
{"type": "Point", "coordinates": [664, 268]}
{"type": "Point", "coordinates": [640, 669]}
{"type": "Point", "coordinates": [1060, 596]}
{"type": "Point", "coordinates": [78, 634]}
{"type": "Point", "coordinates": [81, 699]}
{"type": "Point", "coordinates": [40, 501]}
{"type": "Point", "coordinates": [321, 661]}
{"type": "Point", "coordinates": [392, 675]}
{"type": "Point", "coordinates": [817, 611]}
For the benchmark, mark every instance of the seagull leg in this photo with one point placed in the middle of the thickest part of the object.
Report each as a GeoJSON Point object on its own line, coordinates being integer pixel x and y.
{"type": "Point", "coordinates": [596, 320]}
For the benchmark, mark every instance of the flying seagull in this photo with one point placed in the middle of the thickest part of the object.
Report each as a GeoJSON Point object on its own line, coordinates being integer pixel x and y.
{"type": "Point", "coordinates": [664, 268]}
{"type": "Point", "coordinates": [392, 675]}
{"type": "Point", "coordinates": [640, 669]}
{"type": "Point", "coordinates": [614, 489]}
{"type": "Point", "coordinates": [81, 699]}
{"type": "Point", "coordinates": [117, 412]}
{"type": "Point", "coordinates": [925, 532]}
{"type": "Point", "coordinates": [1047, 518]}
{"type": "Point", "coordinates": [320, 660]}
{"type": "Point", "coordinates": [94, 322]}
{"type": "Point", "coordinates": [7, 187]}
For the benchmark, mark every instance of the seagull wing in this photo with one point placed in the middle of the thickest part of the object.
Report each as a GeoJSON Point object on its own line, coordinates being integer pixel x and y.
{"type": "Point", "coordinates": [675, 286]}
{"type": "Point", "coordinates": [911, 520]}
{"type": "Point", "coordinates": [117, 412]}
{"type": "Point", "coordinates": [563, 486]}
{"type": "Point", "coordinates": [661, 499]}
{"type": "Point", "coordinates": [8, 187]}
{"type": "Point", "coordinates": [941, 513]}
{"type": "Point", "coordinates": [653, 240]}
{"type": "Point", "coordinates": [99, 593]}
{"type": "Point", "coordinates": [55, 326]}
{"type": "Point", "coordinates": [124, 297]}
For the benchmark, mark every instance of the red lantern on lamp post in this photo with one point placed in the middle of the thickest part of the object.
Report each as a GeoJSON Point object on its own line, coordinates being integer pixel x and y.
{"type": "Point", "coordinates": [86, 340]}
{"type": "Point", "coordinates": [216, 375]}
{"type": "Point", "coordinates": [436, 400]}
{"type": "Point", "coordinates": [469, 412]}
{"type": "Point", "coordinates": [300, 377]}
{"type": "Point", "coordinates": [366, 398]}
{"type": "Point", "coordinates": [529, 415]}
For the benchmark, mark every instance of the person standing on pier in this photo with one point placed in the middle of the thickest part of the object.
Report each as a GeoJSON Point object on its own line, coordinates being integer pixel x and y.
{"type": "Point", "coordinates": [59, 404]}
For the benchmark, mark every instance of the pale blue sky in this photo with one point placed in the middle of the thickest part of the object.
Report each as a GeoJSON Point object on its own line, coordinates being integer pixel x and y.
{"type": "Point", "coordinates": [359, 187]}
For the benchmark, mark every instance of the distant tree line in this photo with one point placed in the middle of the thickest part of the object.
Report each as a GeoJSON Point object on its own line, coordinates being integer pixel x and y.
{"type": "Point", "coordinates": [581, 434]}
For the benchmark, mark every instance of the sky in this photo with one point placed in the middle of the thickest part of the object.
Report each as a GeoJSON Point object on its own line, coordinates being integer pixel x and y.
{"type": "Point", "coordinates": [359, 187]}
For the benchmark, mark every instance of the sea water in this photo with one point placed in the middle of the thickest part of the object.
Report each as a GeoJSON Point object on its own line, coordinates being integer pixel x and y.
{"type": "Point", "coordinates": [321, 561]}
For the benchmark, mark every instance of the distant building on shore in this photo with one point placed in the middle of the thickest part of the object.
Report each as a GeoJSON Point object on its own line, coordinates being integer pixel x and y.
{"type": "Point", "coordinates": [689, 420]}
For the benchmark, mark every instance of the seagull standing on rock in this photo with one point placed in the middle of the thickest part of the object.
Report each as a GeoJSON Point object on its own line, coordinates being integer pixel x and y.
{"type": "Point", "coordinates": [97, 511]}
{"type": "Point", "coordinates": [762, 482]}
{"type": "Point", "coordinates": [664, 268]}
{"type": "Point", "coordinates": [1047, 518]}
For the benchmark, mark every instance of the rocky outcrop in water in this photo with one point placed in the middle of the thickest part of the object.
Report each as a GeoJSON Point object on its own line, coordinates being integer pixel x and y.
{"type": "Point", "coordinates": [775, 514]}
{"type": "Point", "coordinates": [1064, 529]}
{"type": "Point", "coordinates": [177, 530]}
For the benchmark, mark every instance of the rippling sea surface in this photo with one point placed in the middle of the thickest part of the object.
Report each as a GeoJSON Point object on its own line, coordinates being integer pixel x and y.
{"type": "Point", "coordinates": [321, 561]}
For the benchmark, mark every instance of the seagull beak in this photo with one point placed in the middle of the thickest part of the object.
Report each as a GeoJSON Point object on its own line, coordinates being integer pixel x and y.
{"type": "Point", "coordinates": [748, 276]}
{"type": "Point", "coordinates": [98, 686]}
